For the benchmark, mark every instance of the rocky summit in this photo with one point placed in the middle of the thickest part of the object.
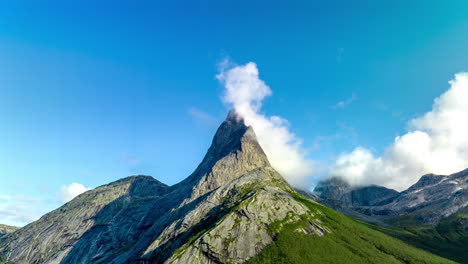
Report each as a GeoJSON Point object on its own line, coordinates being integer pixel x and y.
{"type": "Point", "coordinates": [234, 208]}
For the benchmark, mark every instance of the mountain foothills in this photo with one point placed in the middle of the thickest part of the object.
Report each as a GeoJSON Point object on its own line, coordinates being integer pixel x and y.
{"type": "Point", "coordinates": [234, 208]}
{"type": "Point", "coordinates": [6, 229]}
{"type": "Point", "coordinates": [431, 214]}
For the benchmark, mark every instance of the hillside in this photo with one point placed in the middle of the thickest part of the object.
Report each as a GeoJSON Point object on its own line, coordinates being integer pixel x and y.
{"type": "Point", "coordinates": [431, 214]}
{"type": "Point", "coordinates": [233, 208]}
{"type": "Point", "coordinates": [6, 229]}
{"type": "Point", "coordinates": [448, 239]}
{"type": "Point", "coordinates": [350, 241]}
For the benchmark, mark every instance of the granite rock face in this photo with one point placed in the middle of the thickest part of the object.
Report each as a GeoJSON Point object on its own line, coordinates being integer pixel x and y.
{"type": "Point", "coordinates": [433, 197]}
{"type": "Point", "coordinates": [221, 213]}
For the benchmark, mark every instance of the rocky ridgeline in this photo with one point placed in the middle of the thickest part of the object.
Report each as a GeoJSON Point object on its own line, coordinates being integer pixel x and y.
{"type": "Point", "coordinates": [431, 199]}
{"type": "Point", "coordinates": [227, 211]}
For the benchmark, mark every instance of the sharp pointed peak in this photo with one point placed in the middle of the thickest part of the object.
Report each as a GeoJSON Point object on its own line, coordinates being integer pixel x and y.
{"type": "Point", "coordinates": [231, 133]}
{"type": "Point", "coordinates": [234, 152]}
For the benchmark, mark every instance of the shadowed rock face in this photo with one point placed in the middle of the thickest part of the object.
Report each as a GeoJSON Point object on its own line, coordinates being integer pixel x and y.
{"type": "Point", "coordinates": [429, 200]}
{"type": "Point", "coordinates": [336, 189]}
{"type": "Point", "coordinates": [214, 216]}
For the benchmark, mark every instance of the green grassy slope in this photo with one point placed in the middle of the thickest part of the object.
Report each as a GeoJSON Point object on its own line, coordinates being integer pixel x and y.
{"type": "Point", "coordinates": [350, 241]}
{"type": "Point", "coordinates": [448, 239]}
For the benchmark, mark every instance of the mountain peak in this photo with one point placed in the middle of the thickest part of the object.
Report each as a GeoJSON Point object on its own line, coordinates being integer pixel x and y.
{"type": "Point", "coordinates": [230, 133]}
{"type": "Point", "coordinates": [424, 181]}
{"type": "Point", "coordinates": [234, 152]}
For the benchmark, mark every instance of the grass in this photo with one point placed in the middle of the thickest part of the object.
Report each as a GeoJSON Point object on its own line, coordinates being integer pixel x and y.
{"type": "Point", "coordinates": [448, 239]}
{"type": "Point", "coordinates": [350, 241]}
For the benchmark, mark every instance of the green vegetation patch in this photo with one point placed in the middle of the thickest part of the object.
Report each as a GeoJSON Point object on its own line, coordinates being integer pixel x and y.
{"type": "Point", "coordinates": [448, 239]}
{"type": "Point", "coordinates": [350, 241]}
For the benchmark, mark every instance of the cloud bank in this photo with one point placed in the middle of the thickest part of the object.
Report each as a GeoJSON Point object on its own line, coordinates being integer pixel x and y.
{"type": "Point", "coordinates": [437, 142]}
{"type": "Point", "coordinates": [245, 91]}
{"type": "Point", "coordinates": [68, 192]}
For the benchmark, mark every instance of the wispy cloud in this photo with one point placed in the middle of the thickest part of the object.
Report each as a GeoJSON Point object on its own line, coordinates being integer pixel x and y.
{"type": "Point", "coordinates": [129, 159]}
{"type": "Point", "coordinates": [245, 91]}
{"type": "Point", "coordinates": [19, 210]}
{"type": "Point", "coordinates": [436, 142]}
{"type": "Point", "coordinates": [135, 164]}
{"type": "Point", "coordinates": [344, 103]}
{"type": "Point", "coordinates": [203, 117]}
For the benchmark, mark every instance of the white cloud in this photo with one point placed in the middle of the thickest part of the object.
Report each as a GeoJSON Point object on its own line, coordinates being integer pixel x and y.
{"type": "Point", "coordinates": [345, 103]}
{"type": "Point", "coordinates": [68, 192]}
{"type": "Point", "coordinates": [245, 91]}
{"type": "Point", "coordinates": [436, 142]}
{"type": "Point", "coordinates": [18, 210]}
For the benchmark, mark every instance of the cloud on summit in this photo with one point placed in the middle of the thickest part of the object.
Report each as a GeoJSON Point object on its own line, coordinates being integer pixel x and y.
{"type": "Point", "coordinates": [436, 142]}
{"type": "Point", "coordinates": [245, 92]}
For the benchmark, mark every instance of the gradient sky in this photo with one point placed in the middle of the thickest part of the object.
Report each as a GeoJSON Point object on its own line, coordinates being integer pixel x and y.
{"type": "Point", "coordinates": [93, 92]}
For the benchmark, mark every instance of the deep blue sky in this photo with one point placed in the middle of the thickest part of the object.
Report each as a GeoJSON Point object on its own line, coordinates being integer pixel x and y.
{"type": "Point", "coordinates": [92, 92]}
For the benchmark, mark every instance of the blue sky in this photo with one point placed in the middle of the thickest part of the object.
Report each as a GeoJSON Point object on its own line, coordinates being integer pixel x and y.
{"type": "Point", "coordinates": [92, 92]}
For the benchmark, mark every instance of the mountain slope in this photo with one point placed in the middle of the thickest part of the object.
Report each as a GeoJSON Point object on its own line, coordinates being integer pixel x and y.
{"type": "Point", "coordinates": [52, 237]}
{"type": "Point", "coordinates": [6, 229]}
{"type": "Point", "coordinates": [128, 222]}
{"type": "Point", "coordinates": [426, 202]}
{"type": "Point", "coordinates": [431, 214]}
{"type": "Point", "coordinates": [232, 207]}
{"type": "Point", "coordinates": [432, 198]}
{"type": "Point", "coordinates": [349, 241]}
{"type": "Point", "coordinates": [449, 238]}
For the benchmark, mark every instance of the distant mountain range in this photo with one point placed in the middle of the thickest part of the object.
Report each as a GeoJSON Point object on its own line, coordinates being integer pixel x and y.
{"type": "Point", "coordinates": [6, 229]}
{"type": "Point", "coordinates": [436, 205]}
{"type": "Point", "coordinates": [428, 201]}
{"type": "Point", "coordinates": [234, 208]}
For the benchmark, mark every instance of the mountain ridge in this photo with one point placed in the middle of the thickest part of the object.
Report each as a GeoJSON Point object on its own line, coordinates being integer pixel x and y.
{"type": "Point", "coordinates": [442, 194]}
{"type": "Point", "coordinates": [229, 210]}
{"type": "Point", "coordinates": [430, 214]}
{"type": "Point", "coordinates": [157, 218]}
